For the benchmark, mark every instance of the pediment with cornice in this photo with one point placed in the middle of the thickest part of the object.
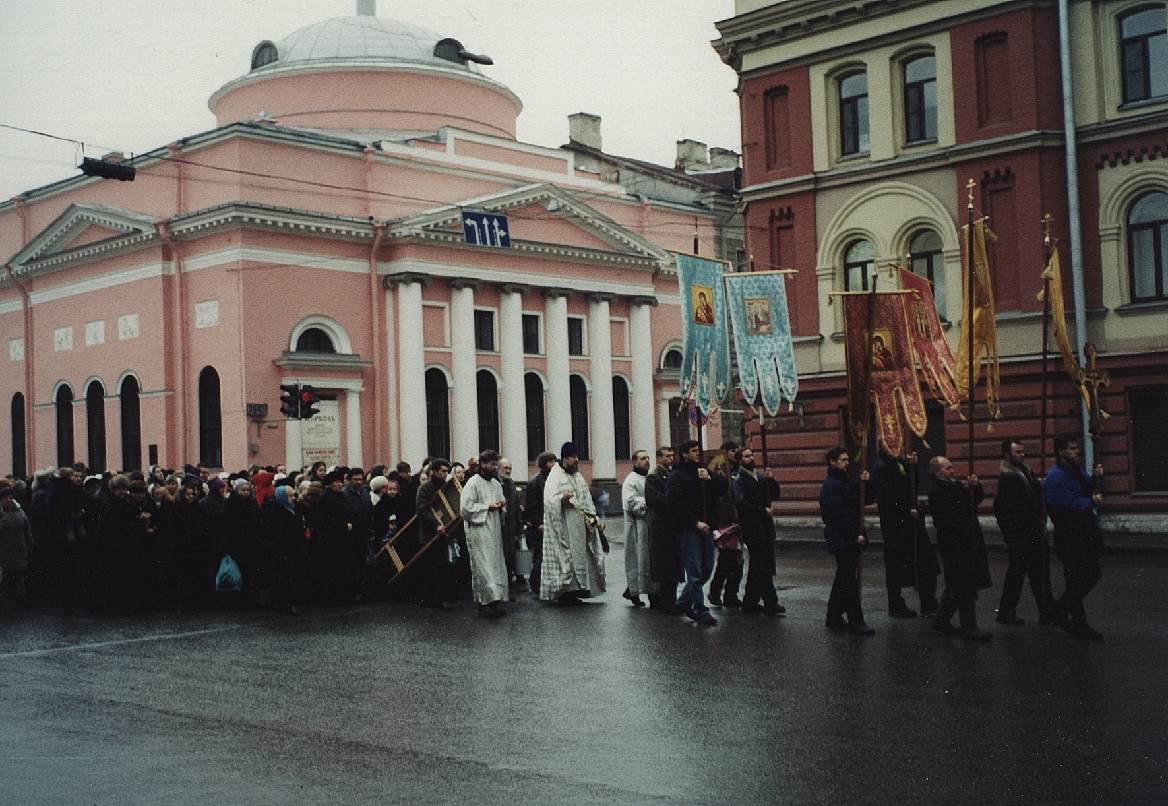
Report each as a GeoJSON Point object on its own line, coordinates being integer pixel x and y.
{"type": "Point", "coordinates": [82, 232]}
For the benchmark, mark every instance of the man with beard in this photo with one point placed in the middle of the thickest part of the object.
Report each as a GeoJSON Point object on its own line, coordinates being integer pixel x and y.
{"type": "Point", "coordinates": [1071, 501]}
{"type": "Point", "coordinates": [843, 530]}
{"type": "Point", "coordinates": [908, 555]}
{"type": "Point", "coordinates": [636, 534]}
{"type": "Point", "coordinates": [1018, 510]}
{"type": "Point", "coordinates": [533, 515]}
{"type": "Point", "coordinates": [510, 517]}
{"type": "Point", "coordinates": [689, 492]}
{"type": "Point", "coordinates": [664, 562]}
{"type": "Point", "coordinates": [756, 515]}
{"type": "Point", "coordinates": [953, 505]}
{"type": "Point", "coordinates": [435, 563]}
{"type": "Point", "coordinates": [573, 560]}
{"type": "Point", "coordinates": [481, 506]}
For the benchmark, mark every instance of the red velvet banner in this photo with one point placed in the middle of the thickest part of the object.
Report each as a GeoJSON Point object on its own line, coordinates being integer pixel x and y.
{"type": "Point", "coordinates": [933, 352]}
{"type": "Point", "coordinates": [887, 378]}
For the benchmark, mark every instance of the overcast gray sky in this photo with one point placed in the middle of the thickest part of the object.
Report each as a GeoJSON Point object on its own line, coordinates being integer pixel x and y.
{"type": "Point", "coordinates": [136, 74]}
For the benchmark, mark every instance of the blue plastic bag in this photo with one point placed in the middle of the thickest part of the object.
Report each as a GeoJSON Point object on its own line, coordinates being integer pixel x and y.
{"type": "Point", "coordinates": [229, 577]}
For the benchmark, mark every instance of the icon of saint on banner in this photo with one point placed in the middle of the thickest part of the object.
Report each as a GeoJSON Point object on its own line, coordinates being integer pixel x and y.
{"type": "Point", "coordinates": [703, 312]}
{"type": "Point", "coordinates": [882, 357]}
{"type": "Point", "coordinates": [758, 316]}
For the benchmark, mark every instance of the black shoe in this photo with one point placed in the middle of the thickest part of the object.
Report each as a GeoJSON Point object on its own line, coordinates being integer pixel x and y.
{"type": "Point", "coordinates": [928, 610]}
{"type": "Point", "coordinates": [751, 609]}
{"type": "Point", "coordinates": [774, 609]}
{"type": "Point", "coordinates": [861, 629]}
{"type": "Point", "coordinates": [837, 625]}
{"type": "Point", "coordinates": [715, 598]}
{"type": "Point", "coordinates": [1047, 618]}
{"type": "Point", "coordinates": [901, 610]}
{"type": "Point", "coordinates": [635, 599]}
{"type": "Point", "coordinates": [489, 611]}
{"type": "Point", "coordinates": [1010, 620]}
{"type": "Point", "coordinates": [945, 627]}
{"type": "Point", "coordinates": [974, 634]}
{"type": "Point", "coordinates": [706, 620]}
{"type": "Point", "coordinates": [730, 600]}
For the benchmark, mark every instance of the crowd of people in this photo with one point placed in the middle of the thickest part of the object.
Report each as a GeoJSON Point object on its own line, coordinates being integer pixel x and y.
{"type": "Point", "coordinates": [265, 536]}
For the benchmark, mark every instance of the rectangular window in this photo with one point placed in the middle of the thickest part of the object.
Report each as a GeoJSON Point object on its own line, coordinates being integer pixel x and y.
{"type": "Point", "coordinates": [1144, 49]}
{"type": "Point", "coordinates": [1149, 434]}
{"type": "Point", "coordinates": [853, 103]}
{"type": "Point", "coordinates": [920, 100]}
{"type": "Point", "coordinates": [777, 121]}
{"type": "Point", "coordinates": [484, 329]}
{"type": "Point", "coordinates": [575, 335]}
{"type": "Point", "coordinates": [993, 80]}
{"type": "Point", "coordinates": [530, 334]}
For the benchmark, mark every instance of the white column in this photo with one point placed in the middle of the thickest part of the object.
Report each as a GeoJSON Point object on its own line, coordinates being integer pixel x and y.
{"type": "Point", "coordinates": [513, 412]}
{"type": "Point", "coordinates": [600, 409]}
{"type": "Point", "coordinates": [464, 415]}
{"type": "Point", "coordinates": [353, 447]}
{"type": "Point", "coordinates": [559, 400]}
{"type": "Point", "coordinates": [411, 373]}
{"type": "Point", "coordinates": [663, 433]}
{"type": "Point", "coordinates": [641, 343]}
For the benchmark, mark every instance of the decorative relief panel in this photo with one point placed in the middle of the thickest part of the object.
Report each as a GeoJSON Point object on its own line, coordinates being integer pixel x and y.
{"type": "Point", "coordinates": [94, 333]}
{"type": "Point", "coordinates": [62, 339]}
{"type": "Point", "coordinates": [128, 327]}
{"type": "Point", "coordinates": [207, 313]}
{"type": "Point", "coordinates": [16, 349]}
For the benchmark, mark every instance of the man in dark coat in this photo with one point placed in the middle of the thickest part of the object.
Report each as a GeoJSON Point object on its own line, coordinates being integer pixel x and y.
{"type": "Point", "coordinates": [1071, 500]}
{"type": "Point", "coordinates": [533, 515]}
{"type": "Point", "coordinates": [756, 515]}
{"type": "Point", "coordinates": [728, 568]}
{"type": "Point", "coordinates": [1019, 510]}
{"type": "Point", "coordinates": [356, 493]}
{"type": "Point", "coordinates": [908, 556]}
{"type": "Point", "coordinates": [435, 564]}
{"type": "Point", "coordinates": [511, 520]}
{"type": "Point", "coordinates": [953, 506]}
{"type": "Point", "coordinates": [664, 561]}
{"type": "Point", "coordinates": [334, 519]}
{"type": "Point", "coordinates": [689, 493]}
{"type": "Point", "coordinates": [843, 530]}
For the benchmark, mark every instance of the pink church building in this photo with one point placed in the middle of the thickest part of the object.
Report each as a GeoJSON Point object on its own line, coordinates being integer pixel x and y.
{"type": "Point", "coordinates": [316, 236]}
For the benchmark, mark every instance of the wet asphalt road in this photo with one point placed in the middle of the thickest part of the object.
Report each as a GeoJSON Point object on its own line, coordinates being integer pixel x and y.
{"type": "Point", "coordinates": [599, 704]}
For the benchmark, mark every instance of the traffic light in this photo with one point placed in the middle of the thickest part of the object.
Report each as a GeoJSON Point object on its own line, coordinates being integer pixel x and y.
{"type": "Point", "coordinates": [290, 401]}
{"type": "Point", "coordinates": [308, 400]}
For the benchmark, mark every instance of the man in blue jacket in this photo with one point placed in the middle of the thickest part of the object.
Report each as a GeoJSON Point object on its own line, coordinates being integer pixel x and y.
{"type": "Point", "coordinates": [1071, 501]}
{"type": "Point", "coordinates": [690, 505]}
{"type": "Point", "coordinates": [839, 506]}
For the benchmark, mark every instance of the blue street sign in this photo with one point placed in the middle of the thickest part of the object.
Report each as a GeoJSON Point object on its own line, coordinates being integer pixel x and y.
{"type": "Point", "coordinates": [485, 229]}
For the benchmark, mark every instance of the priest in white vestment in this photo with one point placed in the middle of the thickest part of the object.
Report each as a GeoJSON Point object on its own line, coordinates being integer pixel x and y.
{"type": "Point", "coordinates": [636, 529]}
{"type": "Point", "coordinates": [481, 504]}
{"type": "Point", "coordinates": [573, 559]}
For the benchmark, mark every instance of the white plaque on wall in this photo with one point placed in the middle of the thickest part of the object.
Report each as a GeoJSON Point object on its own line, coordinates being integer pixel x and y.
{"type": "Point", "coordinates": [94, 333]}
{"type": "Point", "coordinates": [16, 349]}
{"type": "Point", "coordinates": [321, 436]}
{"type": "Point", "coordinates": [62, 339]}
{"type": "Point", "coordinates": [128, 327]}
{"type": "Point", "coordinates": [207, 313]}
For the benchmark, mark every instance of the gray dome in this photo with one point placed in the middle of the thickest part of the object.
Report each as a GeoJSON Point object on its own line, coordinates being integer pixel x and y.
{"type": "Point", "coordinates": [356, 39]}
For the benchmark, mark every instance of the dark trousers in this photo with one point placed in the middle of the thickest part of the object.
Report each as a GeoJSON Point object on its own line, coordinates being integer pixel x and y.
{"type": "Point", "coordinates": [727, 573]}
{"type": "Point", "coordinates": [964, 605]}
{"type": "Point", "coordinates": [1081, 575]}
{"type": "Point", "coordinates": [845, 590]}
{"type": "Point", "coordinates": [1027, 559]}
{"type": "Point", "coordinates": [760, 573]}
{"type": "Point", "coordinates": [697, 554]}
{"type": "Point", "coordinates": [535, 543]}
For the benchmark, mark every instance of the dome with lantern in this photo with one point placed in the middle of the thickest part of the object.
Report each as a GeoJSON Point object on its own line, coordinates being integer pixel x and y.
{"type": "Point", "coordinates": [368, 73]}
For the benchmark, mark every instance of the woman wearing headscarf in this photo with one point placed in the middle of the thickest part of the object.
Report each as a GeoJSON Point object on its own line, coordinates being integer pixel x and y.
{"type": "Point", "coordinates": [284, 525]}
{"type": "Point", "coordinates": [242, 536]}
{"type": "Point", "coordinates": [192, 557]}
{"type": "Point", "coordinates": [262, 484]}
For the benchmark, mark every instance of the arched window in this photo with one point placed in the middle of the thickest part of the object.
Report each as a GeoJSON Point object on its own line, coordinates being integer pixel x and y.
{"type": "Point", "coordinates": [64, 405]}
{"type": "Point", "coordinates": [620, 416]}
{"type": "Point", "coordinates": [437, 413]}
{"type": "Point", "coordinates": [265, 53]}
{"type": "Point", "coordinates": [210, 419]}
{"type": "Point", "coordinates": [315, 340]}
{"type": "Point", "coordinates": [487, 391]}
{"type": "Point", "coordinates": [853, 113]}
{"type": "Point", "coordinates": [858, 262]}
{"type": "Point", "coordinates": [672, 360]}
{"type": "Point", "coordinates": [578, 394]}
{"type": "Point", "coordinates": [920, 99]}
{"type": "Point", "coordinates": [19, 445]}
{"type": "Point", "coordinates": [131, 417]}
{"type": "Point", "coordinates": [95, 426]}
{"type": "Point", "coordinates": [536, 436]}
{"type": "Point", "coordinates": [1147, 244]}
{"type": "Point", "coordinates": [925, 248]}
{"type": "Point", "coordinates": [1144, 44]}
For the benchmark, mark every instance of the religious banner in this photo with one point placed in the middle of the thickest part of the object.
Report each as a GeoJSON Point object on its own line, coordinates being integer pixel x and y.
{"type": "Point", "coordinates": [985, 336]}
{"type": "Point", "coordinates": [932, 351]}
{"type": "Point", "coordinates": [762, 337]}
{"type": "Point", "coordinates": [882, 369]}
{"type": "Point", "coordinates": [705, 362]}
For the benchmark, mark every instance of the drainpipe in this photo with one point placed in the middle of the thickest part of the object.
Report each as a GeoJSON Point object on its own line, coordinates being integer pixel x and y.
{"type": "Point", "coordinates": [177, 440]}
{"type": "Point", "coordinates": [1072, 162]}
{"type": "Point", "coordinates": [376, 342]}
{"type": "Point", "coordinates": [29, 354]}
